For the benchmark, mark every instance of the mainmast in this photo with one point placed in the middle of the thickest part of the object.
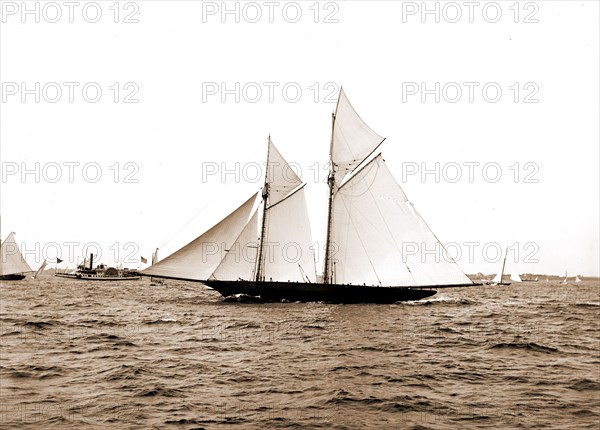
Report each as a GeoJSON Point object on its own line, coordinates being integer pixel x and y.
{"type": "Point", "coordinates": [327, 272]}
{"type": "Point", "coordinates": [265, 196]}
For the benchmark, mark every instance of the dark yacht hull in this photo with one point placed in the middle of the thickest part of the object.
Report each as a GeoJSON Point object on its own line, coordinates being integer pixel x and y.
{"type": "Point", "coordinates": [13, 277]}
{"type": "Point", "coordinates": [309, 292]}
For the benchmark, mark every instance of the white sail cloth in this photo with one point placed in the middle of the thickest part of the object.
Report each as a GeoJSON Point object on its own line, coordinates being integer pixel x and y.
{"type": "Point", "coordinates": [11, 259]}
{"type": "Point", "coordinates": [198, 259]}
{"type": "Point", "coordinates": [239, 262]}
{"type": "Point", "coordinates": [287, 249]}
{"type": "Point", "coordinates": [378, 238]}
{"type": "Point", "coordinates": [280, 177]}
{"type": "Point", "coordinates": [353, 140]}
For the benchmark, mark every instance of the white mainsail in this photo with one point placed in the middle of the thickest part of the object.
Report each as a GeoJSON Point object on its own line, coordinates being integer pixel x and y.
{"type": "Point", "coordinates": [353, 140]}
{"type": "Point", "coordinates": [498, 278]}
{"type": "Point", "coordinates": [287, 252]}
{"type": "Point", "coordinates": [198, 259]}
{"type": "Point", "coordinates": [11, 259]}
{"type": "Point", "coordinates": [378, 238]}
{"type": "Point", "coordinates": [577, 278]}
{"type": "Point", "coordinates": [39, 270]}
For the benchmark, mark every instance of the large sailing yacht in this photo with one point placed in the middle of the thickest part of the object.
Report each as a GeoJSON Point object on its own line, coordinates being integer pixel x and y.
{"type": "Point", "coordinates": [263, 248]}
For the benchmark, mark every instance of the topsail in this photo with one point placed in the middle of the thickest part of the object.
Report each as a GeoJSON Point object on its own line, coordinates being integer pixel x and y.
{"type": "Point", "coordinates": [353, 139]}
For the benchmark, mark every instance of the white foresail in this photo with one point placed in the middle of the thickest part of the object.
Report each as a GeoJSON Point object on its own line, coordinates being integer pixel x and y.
{"type": "Point", "coordinates": [284, 246]}
{"type": "Point", "coordinates": [240, 259]}
{"type": "Point", "coordinates": [378, 238]}
{"type": "Point", "coordinates": [287, 252]}
{"type": "Point", "coordinates": [11, 260]}
{"type": "Point", "coordinates": [353, 140]}
{"type": "Point", "coordinates": [280, 176]}
{"type": "Point", "coordinates": [198, 259]}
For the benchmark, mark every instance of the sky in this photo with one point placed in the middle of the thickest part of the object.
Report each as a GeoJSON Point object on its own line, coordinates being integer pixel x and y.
{"type": "Point", "coordinates": [127, 126]}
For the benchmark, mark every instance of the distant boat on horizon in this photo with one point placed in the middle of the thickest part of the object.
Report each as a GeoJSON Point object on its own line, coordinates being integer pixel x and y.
{"type": "Point", "coordinates": [13, 266]}
{"type": "Point", "coordinates": [498, 278]}
{"type": "Point", "coordinates": [87, 272]}
{"type": "Point", "coordinates": [565, 280]}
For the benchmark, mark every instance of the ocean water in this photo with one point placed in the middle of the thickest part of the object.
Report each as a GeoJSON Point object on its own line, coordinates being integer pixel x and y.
{"type": "Point", "coordinates": [129, 355]}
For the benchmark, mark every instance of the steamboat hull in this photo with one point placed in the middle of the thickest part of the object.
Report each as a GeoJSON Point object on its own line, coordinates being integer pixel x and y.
{"type": "Point", "coordinates": [309, 292]}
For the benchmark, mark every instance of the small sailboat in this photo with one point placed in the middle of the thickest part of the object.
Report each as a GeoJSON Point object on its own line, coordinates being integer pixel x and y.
{"type": "Point", "coordinates": [13, 266]}
{"type": "Point", "coordinates": [577, 278]}
{"type": "Point", "coordinates": [263, 248]}
{"type": "Point", "coordinates": [565, 280]}
{"type": "Point", "coordinates": [498, 278]}
{"type": "Point", "coordinates": [40, 269]}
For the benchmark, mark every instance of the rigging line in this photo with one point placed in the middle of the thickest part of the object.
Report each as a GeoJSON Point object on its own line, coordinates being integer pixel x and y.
{"type": "Point", "coordinates": [390, 231]}
{"type": "Point", "coordinates": [162, 245]}
{"type": "Point", "coordinates": [361, 241]}
{"type": "Point", "coordinates": [355, 175]}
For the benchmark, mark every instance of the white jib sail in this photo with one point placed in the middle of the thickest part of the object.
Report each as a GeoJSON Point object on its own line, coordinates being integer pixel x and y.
{"type": "Point", "coordinates": [11, 259]}
{"type": "Point", "coordinates": [198, 259]}
{"type": "Point", "coordinates": [39, 270]}
{"type": "Point", "coordinates": [498, 278]}
{"type": "Point", "coordinates": [240, 259]}
{"type": "Point", "coordinates": [378, 238]}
